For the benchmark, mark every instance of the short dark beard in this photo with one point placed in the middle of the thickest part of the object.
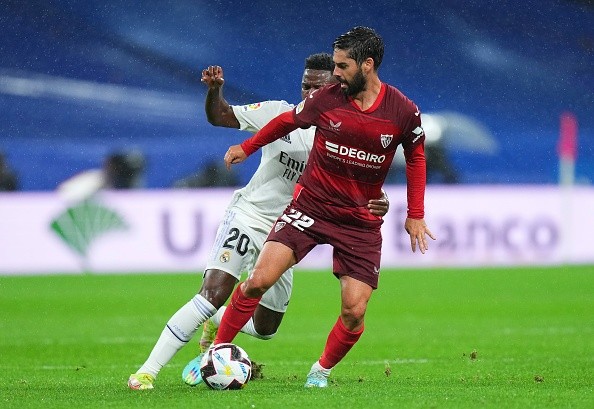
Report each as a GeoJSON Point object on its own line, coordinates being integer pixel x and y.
{"type": "Point", "coordinates": [357, 85]}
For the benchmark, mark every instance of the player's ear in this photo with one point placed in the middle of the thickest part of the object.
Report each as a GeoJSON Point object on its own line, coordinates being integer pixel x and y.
{"type": "Point", "coordinates": [368, 65]}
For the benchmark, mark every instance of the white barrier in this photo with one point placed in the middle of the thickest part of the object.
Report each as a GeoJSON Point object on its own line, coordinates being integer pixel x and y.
{"type": "Point", "coordinates": [172, 230]}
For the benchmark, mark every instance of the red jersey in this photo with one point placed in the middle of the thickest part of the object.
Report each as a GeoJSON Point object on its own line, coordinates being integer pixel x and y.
{"type": "Point", "coordinates": [352, 153]}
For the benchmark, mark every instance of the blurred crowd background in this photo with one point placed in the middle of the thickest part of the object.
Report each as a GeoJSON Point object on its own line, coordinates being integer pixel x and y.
{"type": "Point", "coordinates": [113, 87]}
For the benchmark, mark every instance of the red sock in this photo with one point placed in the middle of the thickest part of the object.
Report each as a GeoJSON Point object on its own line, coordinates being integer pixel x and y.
{"type": "Point", "coordinates": [239, 311]}
{"type": "Point", "coordinates": [339, 343]}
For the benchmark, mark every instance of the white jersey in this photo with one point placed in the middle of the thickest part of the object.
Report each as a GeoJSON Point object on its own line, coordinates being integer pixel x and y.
{"type": "Point", "coordinates": [255, 208]}
{"type": "Point", "coordinates": [271, 187]}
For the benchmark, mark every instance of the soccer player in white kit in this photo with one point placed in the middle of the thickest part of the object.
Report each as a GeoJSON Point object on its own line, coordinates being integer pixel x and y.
{"type": "Point", "coordinates": [248, 219]}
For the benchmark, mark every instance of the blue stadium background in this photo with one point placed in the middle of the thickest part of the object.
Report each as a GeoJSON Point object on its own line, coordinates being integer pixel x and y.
{"type": "Point", "coordinates": [79, 80]}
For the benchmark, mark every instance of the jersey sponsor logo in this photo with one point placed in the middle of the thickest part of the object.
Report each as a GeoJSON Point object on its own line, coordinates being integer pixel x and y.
{"type": "Point", "coordinates": [299, 107]}
{"type": "Point", "coordinates": [347, 152]}
{"type": "Point", "coordinates": [335, 126]}
{"type": "Point", "coordinates": [418, 131]}
{"type": "Point", "coordinates": [252, 107]}
{"type": "Point", "coordinates": [293, 168]}
{"type": "Point", "coordinates": [225, 257]}
{"type": "Point", "coordinates": [291, 163]}
{"type": "Point", "coordinates": [386, 140]}
{"type": "Point", "coordinates": [286, 138]}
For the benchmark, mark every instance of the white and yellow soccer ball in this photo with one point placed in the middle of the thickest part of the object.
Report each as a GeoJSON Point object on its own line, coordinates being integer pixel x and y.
{"type": "Point", "coordinates": [226, 366]}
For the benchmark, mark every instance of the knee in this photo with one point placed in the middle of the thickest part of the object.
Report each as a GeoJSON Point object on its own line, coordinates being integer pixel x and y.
{"type": "Point", "coordinates": [353, 317]}
{"type": "Point", "coordinates": [255, 286]}
{"type": "Point", "coordinates": [216, 296]}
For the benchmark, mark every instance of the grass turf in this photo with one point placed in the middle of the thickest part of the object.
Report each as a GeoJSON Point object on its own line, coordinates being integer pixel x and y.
{"type": "Point", "coordinates": [439, 338]}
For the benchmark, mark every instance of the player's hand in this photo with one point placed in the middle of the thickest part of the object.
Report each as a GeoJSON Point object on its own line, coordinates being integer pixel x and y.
{"type": "Point", "coordinates": [234, 155]}
{"type": "Point", "coordinates": [379, 207]}
{"type": "Point", "coordinates": [418, 230]}
{"type": "Point", "coordinates": [213, 76]}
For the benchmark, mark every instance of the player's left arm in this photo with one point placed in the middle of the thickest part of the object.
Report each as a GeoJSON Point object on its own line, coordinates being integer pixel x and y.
{"type": "Point", "coordinates": [416, 179]}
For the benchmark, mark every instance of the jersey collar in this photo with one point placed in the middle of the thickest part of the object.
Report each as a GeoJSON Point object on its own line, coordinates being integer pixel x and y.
{"type": "Point", "coordinates": [375, 105]}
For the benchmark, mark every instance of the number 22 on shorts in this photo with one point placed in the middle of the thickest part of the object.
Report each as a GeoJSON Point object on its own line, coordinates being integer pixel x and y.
{"type": "Point", "coordinates": [297, 219]}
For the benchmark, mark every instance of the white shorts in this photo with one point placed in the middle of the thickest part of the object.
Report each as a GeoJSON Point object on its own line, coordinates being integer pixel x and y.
{"type": "Point", "coordinates": [236, 248]}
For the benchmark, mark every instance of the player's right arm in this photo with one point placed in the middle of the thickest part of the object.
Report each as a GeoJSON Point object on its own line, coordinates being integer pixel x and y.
{"type": "Point", "coordinates": [218, 110]}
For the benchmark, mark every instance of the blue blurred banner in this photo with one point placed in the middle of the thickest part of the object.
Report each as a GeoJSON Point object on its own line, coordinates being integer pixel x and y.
{"type": "Point", "coordinates": [79, 80]}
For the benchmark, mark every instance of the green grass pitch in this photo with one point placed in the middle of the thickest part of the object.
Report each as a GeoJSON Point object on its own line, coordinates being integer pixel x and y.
{"type": "Point", "coordinates": [434, 338]}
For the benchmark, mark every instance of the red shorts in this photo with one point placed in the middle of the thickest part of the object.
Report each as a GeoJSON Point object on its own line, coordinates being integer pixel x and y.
{"type": "Point", "coordinates": [356, 250]}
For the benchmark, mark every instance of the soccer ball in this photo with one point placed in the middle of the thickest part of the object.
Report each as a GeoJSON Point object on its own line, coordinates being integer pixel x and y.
{"type": "Point", "coordinates": [225, 366]}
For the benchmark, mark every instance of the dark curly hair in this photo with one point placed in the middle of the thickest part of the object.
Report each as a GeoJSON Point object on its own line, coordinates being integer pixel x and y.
{"type": "Point", "coordinates": [320, 61]}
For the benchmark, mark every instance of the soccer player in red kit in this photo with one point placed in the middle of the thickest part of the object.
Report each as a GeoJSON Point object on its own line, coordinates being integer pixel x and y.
{"type": "Point", "coordinates": [359, 123]}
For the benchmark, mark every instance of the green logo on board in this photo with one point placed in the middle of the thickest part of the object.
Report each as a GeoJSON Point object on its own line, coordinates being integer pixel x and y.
{"type": "Point", "coordinates": [79, 225]}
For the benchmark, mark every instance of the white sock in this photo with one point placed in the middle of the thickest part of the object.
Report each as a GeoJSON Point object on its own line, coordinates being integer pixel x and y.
{"type": "Point", "coordinates": [216, 319]}
{"type": "Point", "coordinates": [317, 367]}
{"type": "Point", "coordinates": [248, 328]}
{"type": "Point", "coordinates": [179, 330]}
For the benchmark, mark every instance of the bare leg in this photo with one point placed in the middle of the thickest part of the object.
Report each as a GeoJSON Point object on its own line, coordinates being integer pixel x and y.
{"type": "Point", "coordinates": [267, 321]}
{"type": "Point", "coordinates": [217, 287]}
{"type": "Point", "coordinates": [355, 295]}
